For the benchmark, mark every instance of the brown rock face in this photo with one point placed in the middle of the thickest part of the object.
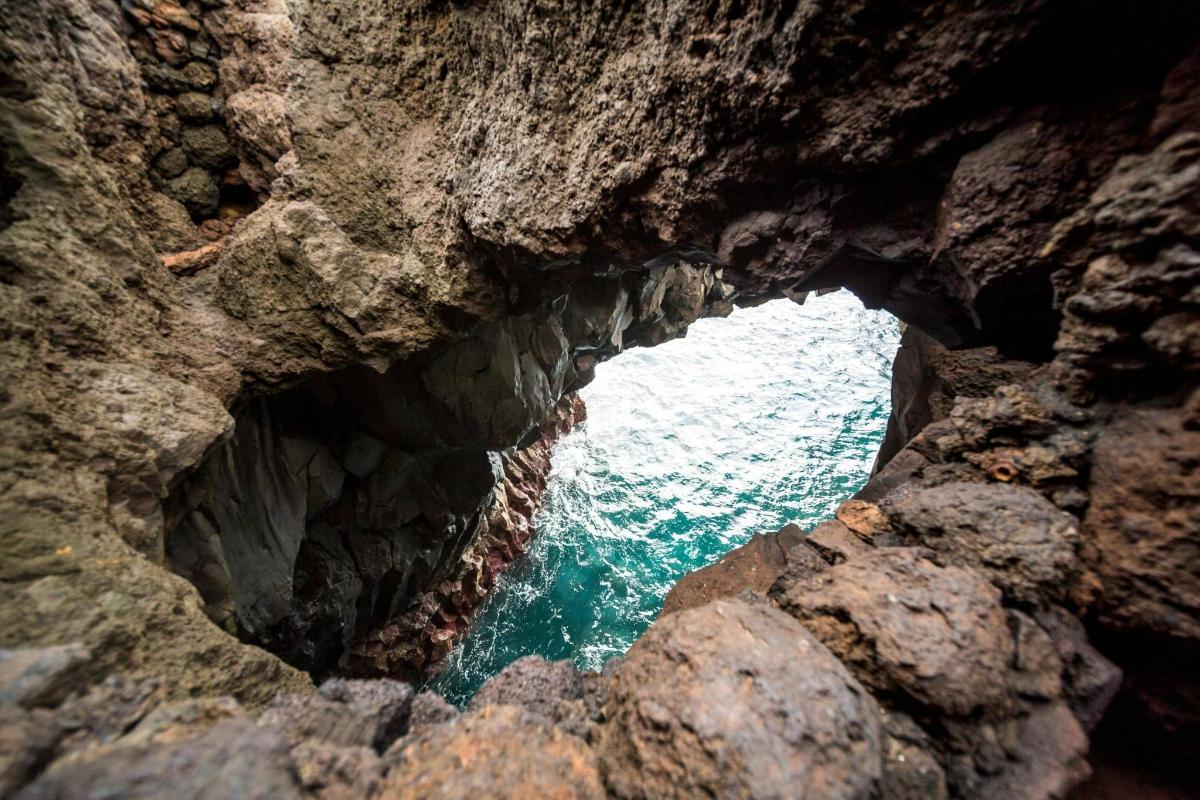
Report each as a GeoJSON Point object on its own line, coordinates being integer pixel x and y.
{"type": "Point", "coordinates": [738, 700]}
{"type": "Point", "coordinates": [903, 624]}
{"type": "Point", "coordinates": [501, 751]}
{"type": "Point", "coordinates": [1013, 535]}
{"type": "Point", "coordinates": [342, 262]}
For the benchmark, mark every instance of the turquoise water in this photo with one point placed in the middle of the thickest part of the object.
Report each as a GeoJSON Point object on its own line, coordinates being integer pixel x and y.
{"type": "Point", "coordinates": [770, 416]}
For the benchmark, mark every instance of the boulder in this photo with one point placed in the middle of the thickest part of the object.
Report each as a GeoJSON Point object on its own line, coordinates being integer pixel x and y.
{"type": "Point", "coordinates": [354, 713]}
{"type": "Point", "coordinates": [902, 624]}
{"type": "Point", "coordinates": [498, 752]}
{"type": "Point", "coordinates": [197, 190]}
{"type": "Point", "coordinates": [737, 700]}
{"type": "Point", "coordinates": [1011, 534]}
{"type": "Point", "coordinates": [535, 684]}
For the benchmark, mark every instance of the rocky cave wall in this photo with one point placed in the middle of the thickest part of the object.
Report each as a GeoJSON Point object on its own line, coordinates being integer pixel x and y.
{"type": "Point", "coordinates": [443, 181]}
{"type": "Point", "coordinates": [353, 522]}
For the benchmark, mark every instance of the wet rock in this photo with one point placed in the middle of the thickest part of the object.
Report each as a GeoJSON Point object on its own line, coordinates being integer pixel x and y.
{"type": "Point", "coordinates": [353, 713]}
{"type": "Point", "coordinates": [208, 146]}
{"type": "Point", "coordinates": [1013, 535]}
{"type": "Point", "coordinates": [196, 190]}
{"type": "Point", "coordinates": [533, 683]}
{"type": "Point", "coordinates": [499, 751]}
{"type": "Point", "coordinates": [903, 624]}
{"type": "Point", "coordinates": [731, 699]}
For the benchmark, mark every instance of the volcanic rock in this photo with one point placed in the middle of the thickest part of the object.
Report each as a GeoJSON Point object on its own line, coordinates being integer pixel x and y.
{"type": "Point", "coordinates": [732, 699]}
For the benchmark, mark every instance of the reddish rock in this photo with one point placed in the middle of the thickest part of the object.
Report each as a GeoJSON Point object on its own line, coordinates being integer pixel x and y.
{"type": "Point", "coordinates": [755, 566]}
{"type": "Point", "coordinates": [904, 624]}
{"type": "Point", "coordinates": [737, 700]}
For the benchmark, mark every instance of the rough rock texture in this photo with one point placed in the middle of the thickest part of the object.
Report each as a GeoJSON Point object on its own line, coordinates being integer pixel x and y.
{"type": "Point", "coordinates": [533, 683]}
{"type": "Point", "coordinates": [444, 216]}
{"type": "Point", "coordinates": [1011, 534]}
{"type": "Point", "coordinates": [927, 378]}
{"type": "Point", "coordinates": [755, 565]}
{"type": "Point", "coordinates": [937, 635]}
{"type": "Point", "coordinates": [738, 700]}
{"type": "Point", "coordinates": [500, 751]}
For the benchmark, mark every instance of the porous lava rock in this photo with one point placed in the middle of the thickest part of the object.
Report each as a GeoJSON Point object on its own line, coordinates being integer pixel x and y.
{"type": "Point", "coordinates": [737, 700]}
{"type": "Point", "coordinates": [444, 217]}
{"type": "Point", "coordinates": [499, 751]}
{"type": "Point", "coordinates": [533, 683]}
{"type": "Point", "coordinates": [1013, 535]}
{"type": "Point", "coordinates": [903, 624]}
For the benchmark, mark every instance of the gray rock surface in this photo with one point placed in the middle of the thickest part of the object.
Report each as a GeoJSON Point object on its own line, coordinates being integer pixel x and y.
{"type": "Point", "coordinates": [533, 683]}
{"type": "Point", "coordinates": [473, 205]}
{"type": "Point", "coordinates": [1013, 535]}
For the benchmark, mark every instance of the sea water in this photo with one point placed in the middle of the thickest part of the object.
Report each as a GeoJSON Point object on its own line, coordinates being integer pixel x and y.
{"type": "Point", "coordinates": [772, 415]}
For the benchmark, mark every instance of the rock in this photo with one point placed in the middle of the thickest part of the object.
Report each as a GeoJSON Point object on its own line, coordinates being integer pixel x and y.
{"type": "Point", "coordinates": [193, 76]}
{"type": "Point", "coordinates": [258, 127]}
{"type": "Point", "coordinates": [735, 700]}
{"type": "Point", "coordinates": [192, 261]}
{"type": "Point", "coordinates": [1090, 680]}
{"type": "Point", "coordinates": [194, 107]}
{"type": "Point", "coordinates": [499, 751]}
{"type": "Point", "coordinates": [32, 677]}
{"type": "Point", "coordinates": [197, 190]}
{"type": "Point", "coordinates": [755, 565]}
{"type": "Point", "coordinates": [429, 708]}
{"type": "Point", "coordinates": [207, 146]}
{"type": "Point", "coordinates": [182, 720]}
{"type": "Point", "coordinates": [1011, 534]}
{"type": "Point", "coordinates": [864, 519]}
{"type": "Point", "coordinates": [27, 740]}
{"type": "Point", "coordinates": [835, 542]}
{"type": "Point", "coordinates": [349, 713]}
{"type": "Point", "coordinates": [1047, 760]}
{"type": "Point", "coordinates": [910, 771]}
{"type": "Point", "coordinates": [172, 163]}
{"type": "Point", "coordinates": [234, 758]}
{"type": "Point", "coordinates": [903, 624]}
{"type": "Point", "coordinates": [533, 683]}
{"type": "Point", "coordinates": [927, 378]}
{"type": "Point", "coordinates": [1142, 529]}
{"type": "Point", "coordinates": [330, 772]}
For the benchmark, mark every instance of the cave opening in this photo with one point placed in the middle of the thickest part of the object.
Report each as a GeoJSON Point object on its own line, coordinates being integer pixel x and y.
{"type": "Point", "coordinates": [769, 418]}
{"type": "Point", "coordinates": [353, 523]}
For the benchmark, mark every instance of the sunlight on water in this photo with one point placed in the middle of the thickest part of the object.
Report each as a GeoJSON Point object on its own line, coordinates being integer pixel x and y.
{"type": "Point", "coordinates": [770, 416]}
